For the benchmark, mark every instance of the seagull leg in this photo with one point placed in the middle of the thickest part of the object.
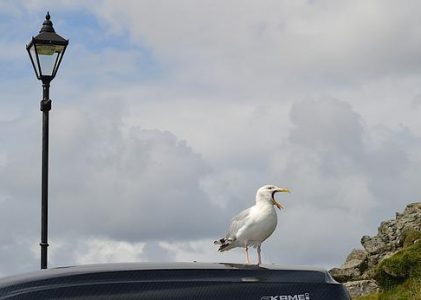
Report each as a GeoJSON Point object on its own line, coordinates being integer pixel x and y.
{"type": "Point", "coordinates": [247, 253]}
{"type": "Point", "coordinates": [258, 255]}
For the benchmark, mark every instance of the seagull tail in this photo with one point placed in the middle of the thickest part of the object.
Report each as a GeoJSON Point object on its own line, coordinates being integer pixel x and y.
{"type": "Point", "coordinates": [225, 244]}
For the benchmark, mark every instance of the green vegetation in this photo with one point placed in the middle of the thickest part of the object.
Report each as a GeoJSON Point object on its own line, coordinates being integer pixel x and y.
{"type": "Point", "coordinates": [400, 267]}
{"type": "Point", "coordinates": [410, 236]}
{"type": "Point", "coordinates": [369, 297]}
{"type": "Point", "coordinates": [399, 276]}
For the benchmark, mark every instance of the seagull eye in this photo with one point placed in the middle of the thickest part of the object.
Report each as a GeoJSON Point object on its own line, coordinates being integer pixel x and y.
{"type": "Point", "coordinates": [270, 188]}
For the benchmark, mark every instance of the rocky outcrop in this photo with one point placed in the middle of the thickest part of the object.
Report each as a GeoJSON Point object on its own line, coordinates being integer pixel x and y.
{"type": "Point", "coordinates": [359, 267]}
{"type": "Point", "coordinates": [353, 268]}
{"type": "Point", "coordinates": [361, 287]}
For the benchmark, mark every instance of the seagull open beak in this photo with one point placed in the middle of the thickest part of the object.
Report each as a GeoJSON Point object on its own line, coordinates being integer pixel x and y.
{"type": "Point", "coordinates": [276, 203]}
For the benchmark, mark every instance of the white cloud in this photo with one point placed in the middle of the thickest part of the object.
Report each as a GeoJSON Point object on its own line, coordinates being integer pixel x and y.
{"type": "Point", "coordinates": [124, 182]}
{"type": "Point", "coordinates": [201, 251]}
{"type": "Point", "coordinates": [290, 40]}
{"type": "Point", "coordinates": [109, 251]}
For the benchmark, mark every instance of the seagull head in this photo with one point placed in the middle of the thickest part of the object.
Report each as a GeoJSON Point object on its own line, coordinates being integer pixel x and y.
{"type": "Point", "coordinates": [267, 194]}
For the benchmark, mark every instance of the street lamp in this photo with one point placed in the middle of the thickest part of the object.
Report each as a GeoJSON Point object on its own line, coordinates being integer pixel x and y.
{"type": "Point", "coordinates": [46, 51]}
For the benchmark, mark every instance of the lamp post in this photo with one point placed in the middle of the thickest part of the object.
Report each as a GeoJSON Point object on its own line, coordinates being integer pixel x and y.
{"type": "Point", "coordinates": [46, 51]}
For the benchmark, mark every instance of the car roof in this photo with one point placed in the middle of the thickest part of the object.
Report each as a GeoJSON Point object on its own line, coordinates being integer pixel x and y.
{"type": "Point", "coordinates": [173, 280]}
{"type": "Point", "coordinates": [193, 270]}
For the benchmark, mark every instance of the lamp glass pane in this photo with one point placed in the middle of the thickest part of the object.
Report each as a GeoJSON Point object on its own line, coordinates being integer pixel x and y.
{"type": "Point", "coordinates": [48, 55]}
{"type": "Point", "coordinates": [34, 59]}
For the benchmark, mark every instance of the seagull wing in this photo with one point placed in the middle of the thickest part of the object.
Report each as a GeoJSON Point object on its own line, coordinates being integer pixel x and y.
{"type": "Point", "coordinates": [238, 223]}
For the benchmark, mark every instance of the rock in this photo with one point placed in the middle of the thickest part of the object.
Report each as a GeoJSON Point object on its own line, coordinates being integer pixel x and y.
{"type": "Point", "coordinates": [390, 237]}
{"type": "Point", "coordinates": [362, 287]}
{"type": "Point", "coordinates": [397, 273]}
{"type": "Point", "coordinates": [358, 270]}
{"type": "Point", "coordinates": [413, 208]}
{"type": "Point", "coordinates": [353, 268]}
{"type": "Point", "coordinates": [373, 245]}
{"type": "Point", "coordinates": [356, 259]}
{"type": "Point", "coordinates": [411, 218]}
{"type": "Point", "coordinates": [344, 275]}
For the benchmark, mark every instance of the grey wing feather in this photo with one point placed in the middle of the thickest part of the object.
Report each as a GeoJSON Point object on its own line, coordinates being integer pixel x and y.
{"type": "Point", "coordinates": [237, 222]}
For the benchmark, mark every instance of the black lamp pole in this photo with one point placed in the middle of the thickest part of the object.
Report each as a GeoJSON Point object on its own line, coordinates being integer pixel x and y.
{"type": "Point", "coordinates": [45, 108]}
{"type": "Point", "coordinates": [46, 51]}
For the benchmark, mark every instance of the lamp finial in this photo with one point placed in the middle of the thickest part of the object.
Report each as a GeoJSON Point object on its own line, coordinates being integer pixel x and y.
{"type": "Point", "coordinates": [47, 26]}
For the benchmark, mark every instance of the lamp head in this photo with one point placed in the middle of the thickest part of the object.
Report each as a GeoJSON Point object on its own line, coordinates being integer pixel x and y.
{"type": "Point", "coordinates": [46, 51]}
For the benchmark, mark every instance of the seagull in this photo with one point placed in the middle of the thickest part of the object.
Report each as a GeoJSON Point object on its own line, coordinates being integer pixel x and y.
{"type": "Point", "coordinates": [253, 226]}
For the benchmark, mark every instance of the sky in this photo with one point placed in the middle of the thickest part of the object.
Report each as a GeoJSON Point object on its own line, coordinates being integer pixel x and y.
{"type": "Point", "coordinates": [167, 116]}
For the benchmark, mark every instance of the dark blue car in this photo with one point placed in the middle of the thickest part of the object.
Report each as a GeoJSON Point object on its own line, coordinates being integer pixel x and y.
{"type": "Point", "coordinates": [174, 281]}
